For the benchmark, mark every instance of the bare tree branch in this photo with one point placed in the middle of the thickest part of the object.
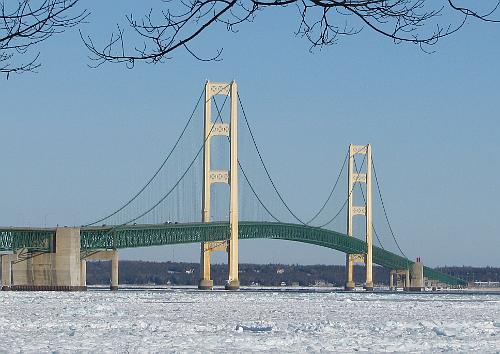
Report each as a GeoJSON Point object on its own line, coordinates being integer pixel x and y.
{"type": "Point", "coordinates": [177, 24]}
{"type": "Point", "coordinates": [26, 23]}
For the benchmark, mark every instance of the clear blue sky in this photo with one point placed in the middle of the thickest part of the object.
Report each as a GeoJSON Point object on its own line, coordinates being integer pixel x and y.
{"type": "Point", "coordinates": [77, 141]}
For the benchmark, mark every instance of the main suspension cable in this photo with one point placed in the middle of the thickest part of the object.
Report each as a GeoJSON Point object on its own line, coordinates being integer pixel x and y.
{"type": "Point", "coordinates": [157, 171]}
{"type": "Point", "coordinates": [364, 200]}
{"type": "Point", "coordinates": [347, 199]}
{"type": "Point", "coordinates": [265, 167]}
{"type": "Point", "coordinates": [272, 182]}
{"type": "Point", "coordinates": [256, 195]}
{"type": "Point", "coordinates": [385, 211]}
{"type": "Point", "coordinates": [183, 175]}
{"type": "Point", "coordinates": [219, 114]}
{"type": "Point", "coordinates": [331, 192]}
{"type": "Point", "coordinates": [178, 181]}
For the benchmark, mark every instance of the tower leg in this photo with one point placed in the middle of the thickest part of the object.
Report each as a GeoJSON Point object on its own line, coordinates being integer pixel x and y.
{"type": "Point", "coordinates": [114, 271]}
{"type": "Point", "coordinates": [368, 214]}
{"type": "Point", "coordinates": [205, 282]}
{"type": "Point", "coordinates": [369, 272]}
{"type": "Point", "coordinates": [349, 284]}
{"type": "Point", "coordinates": [349, 263]}
{"type": "Point", "coordinates": [233, 282]}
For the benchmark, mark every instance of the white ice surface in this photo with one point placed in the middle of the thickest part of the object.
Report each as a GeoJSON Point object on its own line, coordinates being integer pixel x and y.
{"type": "Point", "coordinates": [192, 321]}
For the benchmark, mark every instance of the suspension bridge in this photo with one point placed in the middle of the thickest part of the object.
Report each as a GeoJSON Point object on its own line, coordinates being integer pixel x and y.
{"type": "Point", "coordinates": [181, 203]}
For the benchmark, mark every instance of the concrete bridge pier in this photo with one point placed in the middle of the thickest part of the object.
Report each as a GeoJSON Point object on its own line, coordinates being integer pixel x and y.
{"type": "Point", "coordinates": [417, 276]}
{"type": "Point", "coordinates": [6, 272]}
{"type": "Point", "coordinates": [83, 274]}
{"type": "Point", "coordinates": [58, 270]}
{"type": "Point", "coordinates": [103, 255]}
{"type": "Point", "coordinates": [413, 277]}
{"type": "Point", "coordinates": [396, 276]}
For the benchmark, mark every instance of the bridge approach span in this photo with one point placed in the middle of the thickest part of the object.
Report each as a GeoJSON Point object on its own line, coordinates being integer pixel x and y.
{"type": "Point", "coordinates": [133, 236]}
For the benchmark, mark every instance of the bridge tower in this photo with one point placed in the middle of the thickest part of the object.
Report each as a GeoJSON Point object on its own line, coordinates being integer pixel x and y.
{"type": "Point", "coordinates": [221, 176]}
{"type": "Point", "coordinates": [366, 211]}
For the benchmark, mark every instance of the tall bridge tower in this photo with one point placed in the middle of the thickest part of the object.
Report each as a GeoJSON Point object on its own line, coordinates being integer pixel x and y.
{"type": "Point", "coordinates": [221, 176]}
{"type": "Point", "coordinates": [366, 211]}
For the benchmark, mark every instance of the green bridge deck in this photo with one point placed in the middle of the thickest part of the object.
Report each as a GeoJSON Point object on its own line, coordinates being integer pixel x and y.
{"type": "Point", "coordinates": [132, 236]}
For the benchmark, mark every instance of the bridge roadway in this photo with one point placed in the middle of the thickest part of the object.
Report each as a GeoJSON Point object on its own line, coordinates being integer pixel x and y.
{"type": "Point", "coordinates": [132, 236]}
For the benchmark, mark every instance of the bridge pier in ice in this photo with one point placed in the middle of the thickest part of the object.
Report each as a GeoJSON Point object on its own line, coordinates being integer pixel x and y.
{"type": "Point", "coordinates": [58, 269]}
{"type": "Point", "coordinates": [417, 276]}
{"type": "Point", "coordinates": [114, 271]}
{"type": "Point", "coordinates": [63, 268]}
{"type": "Point", "coordinates": [103, 255]}
{"type": "Point", "coordinates": [83, 274]}
{"type": "Point", "coordinates": [7, 271]}
{"type": "Point", "coordinates": [397, 277]}
{"type": "Point", "coordinates": [413, 277]}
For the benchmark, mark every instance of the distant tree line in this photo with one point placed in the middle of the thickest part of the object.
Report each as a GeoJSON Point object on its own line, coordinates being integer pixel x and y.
{"type": "Point", "coordinates": [472, 274]}
{"type": "Point", "coordinates": [173, 273]}
{"type": "Point", "coordinates": [139, 272]}
{"type": "Point", "coordinates": [181, 273]}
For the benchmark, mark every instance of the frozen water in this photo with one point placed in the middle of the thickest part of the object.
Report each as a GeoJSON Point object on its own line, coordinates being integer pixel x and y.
{"type": "Point", "coordinates": [187, 320]}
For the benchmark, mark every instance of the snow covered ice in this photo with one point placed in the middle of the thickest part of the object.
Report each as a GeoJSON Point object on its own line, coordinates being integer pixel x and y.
{"type": "Point", "coordinates": [187, 320]}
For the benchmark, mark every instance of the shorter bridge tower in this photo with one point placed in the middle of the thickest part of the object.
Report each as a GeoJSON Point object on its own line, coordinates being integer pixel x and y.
{"type": "Point", "coordinates": [366, 211]}
{"type": "Point", "coordinates": [230, 177]}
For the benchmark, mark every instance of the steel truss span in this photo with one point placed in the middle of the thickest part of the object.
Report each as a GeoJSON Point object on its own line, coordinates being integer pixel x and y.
{"type": "Point", "coordinates": [133, 236]}
{"type": "Point", "coordinates": [28, 239]}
